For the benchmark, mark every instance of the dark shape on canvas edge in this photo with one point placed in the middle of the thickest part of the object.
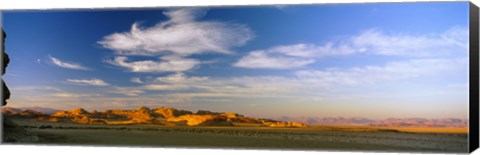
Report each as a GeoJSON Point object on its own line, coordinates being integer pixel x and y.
{"type": "Point", "coordinates": [5, 61]}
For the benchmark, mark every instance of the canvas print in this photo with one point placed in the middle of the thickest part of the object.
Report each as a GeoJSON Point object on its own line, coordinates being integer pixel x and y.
{"type": "Point", "coordinates": [362, 77]}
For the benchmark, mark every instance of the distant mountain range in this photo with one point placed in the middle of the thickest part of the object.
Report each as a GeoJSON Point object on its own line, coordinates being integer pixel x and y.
{"type": "Point", "coordinates": [36, 108]}
{"type": "Point", "coordinates": [143, 115]}
{"type": "Point", "coordinates": [390, 122]}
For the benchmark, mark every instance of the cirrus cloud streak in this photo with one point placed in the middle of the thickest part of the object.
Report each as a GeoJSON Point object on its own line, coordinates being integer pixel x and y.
{"type": "Point", "coordinates": [91, 82]}
{"type": "Point", "coordinates": [166, 64]}
{"type": "Point", "coordinates": [370, 42]}
{"type": "Point", "coordinates": [68, 65]}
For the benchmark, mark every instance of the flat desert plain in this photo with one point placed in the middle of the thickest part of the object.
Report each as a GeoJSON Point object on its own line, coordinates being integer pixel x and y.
{"type": "Point", "coordinates": [250, 137]}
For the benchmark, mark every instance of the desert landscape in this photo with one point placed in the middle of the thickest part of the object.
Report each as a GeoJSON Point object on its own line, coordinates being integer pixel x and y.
{"type": "Point", "coordinates": [369, 77]}
{"type": "Point", "coordinates": [170, 127]}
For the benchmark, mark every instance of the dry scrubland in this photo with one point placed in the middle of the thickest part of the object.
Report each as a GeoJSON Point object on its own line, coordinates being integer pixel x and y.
{"type": "Point", "coordinates": [244, 136]}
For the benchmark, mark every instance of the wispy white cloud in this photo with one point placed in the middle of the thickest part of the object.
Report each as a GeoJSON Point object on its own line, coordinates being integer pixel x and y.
{"type": "Point", "coordinates": [165, 64]}
{"type": "Point", "coordinates": [370, 42]}
{"type": "Point", "coordinates": [402, 44]}
{"type": "Point", "coordinates": [182, 34]}
{"type": "Point", "coordinates": [71, 95]}
{"type": "Point", "coordinates": [234, 85]}
{"type": "Point", "coordinates": [136, 80]}
{"type": "Point", "coordinates": [272, 60]}
{"type": "Point", "coordinates": [127, 91]}
{"type": "Point", "coordinates": [92, 82]}
{"type": "Point", "coordinates": [177, 81]}
{"type": "Point", "coordinates": [68, 65]}
{"type": "Point", "coordinates": [165, 87]}
{"type": "Point", "coordinates": [180, 78]}
{"type": "Point", "coordinates": [390, 71]}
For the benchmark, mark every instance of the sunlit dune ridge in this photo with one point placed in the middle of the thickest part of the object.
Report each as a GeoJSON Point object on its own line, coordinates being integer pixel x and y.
{"type": "Point", "coordinates": [163, 116]}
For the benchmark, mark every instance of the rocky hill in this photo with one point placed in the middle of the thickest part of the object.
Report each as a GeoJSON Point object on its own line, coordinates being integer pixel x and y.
{"type": "Point", "coordinates": [21, 113]}
{"type": "Point", "coordinates": [10, 110]}
{"type": "Point", "coordinates": [143, 115]}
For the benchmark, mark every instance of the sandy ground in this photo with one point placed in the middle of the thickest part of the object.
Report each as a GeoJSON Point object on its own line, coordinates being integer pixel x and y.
{"type": "Point", "coordinates": [249, 137]}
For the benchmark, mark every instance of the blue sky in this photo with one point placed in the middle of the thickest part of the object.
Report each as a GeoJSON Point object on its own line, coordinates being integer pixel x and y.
{"type": "Point", "coordinates": [370, 60]}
